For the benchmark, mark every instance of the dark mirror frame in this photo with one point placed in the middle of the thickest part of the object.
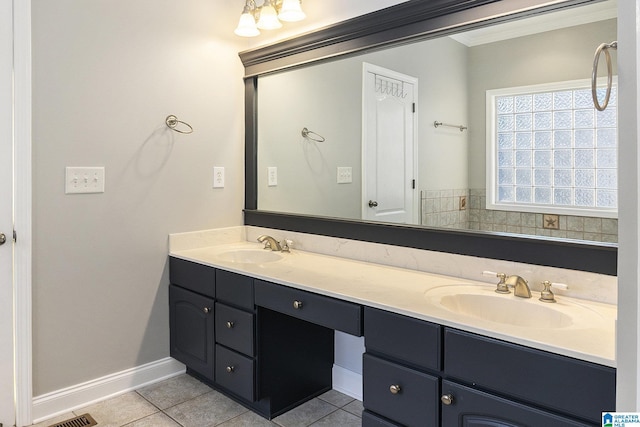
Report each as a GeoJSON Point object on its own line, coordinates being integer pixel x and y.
{"type": "Point", "coordinates": [404, 23]}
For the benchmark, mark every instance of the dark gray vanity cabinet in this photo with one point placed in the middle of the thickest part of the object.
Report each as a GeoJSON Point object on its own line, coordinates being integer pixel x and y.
{"type": "Point", "coordinates": [559, 384]}
{"type": "Point", "coordinates": [417, 373]}
{"type": "Point", "coordinates": [245, 338]}
{"type": "Point", "coordinates": [271, 347]}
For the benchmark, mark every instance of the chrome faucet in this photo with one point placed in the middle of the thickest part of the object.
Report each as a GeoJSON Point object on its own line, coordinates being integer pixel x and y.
{"type": "Point", "coordinates": [520, 286]}
{"type": "Point", "coordinates": [270, 243]}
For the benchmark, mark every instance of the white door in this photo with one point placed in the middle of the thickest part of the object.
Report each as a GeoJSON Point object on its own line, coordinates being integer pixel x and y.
{"type": "Point", "coordinates": [388, 146]}
{"type": "Point", "coordinates": [7, 409]}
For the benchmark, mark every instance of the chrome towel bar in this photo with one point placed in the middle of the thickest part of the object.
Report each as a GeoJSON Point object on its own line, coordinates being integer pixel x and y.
{"type": "Point", "coordinates": [604, 47]}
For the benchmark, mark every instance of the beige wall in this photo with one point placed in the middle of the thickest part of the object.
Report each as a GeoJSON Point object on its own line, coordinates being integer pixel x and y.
{"type": "Point", "coordinates": [105, 76]}
{"type": "Point", "coordinates": [106, 73]}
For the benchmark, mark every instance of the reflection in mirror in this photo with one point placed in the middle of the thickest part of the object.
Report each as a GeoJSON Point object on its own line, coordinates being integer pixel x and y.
{"type": "Point", "coordinates": [439, 175]}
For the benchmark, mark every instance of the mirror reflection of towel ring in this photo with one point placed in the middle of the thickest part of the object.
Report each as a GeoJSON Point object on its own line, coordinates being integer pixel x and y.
{"type": "Point", "coordinates": [306, 133]}
{"type": "Point", "coordinates": [604, 47]}
{"type": "Point", "coordinates": [172, 123]}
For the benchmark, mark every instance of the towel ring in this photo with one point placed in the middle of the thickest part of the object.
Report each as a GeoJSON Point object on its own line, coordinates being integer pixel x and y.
{"type": "Point", "coordinates": [172, 123]}
{"type": "Point", "coordinates": [604, 47]}
{"type": "Point", "coordinates": [306, 133]}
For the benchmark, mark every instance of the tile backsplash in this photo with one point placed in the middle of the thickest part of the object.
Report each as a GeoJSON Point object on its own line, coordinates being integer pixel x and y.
{"type": "Point", "coordinates": [442, 208]}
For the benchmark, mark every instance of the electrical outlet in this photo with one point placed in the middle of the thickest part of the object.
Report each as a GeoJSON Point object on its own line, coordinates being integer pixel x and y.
{"type": "Point", "coordinates": [272, 179]}
{"type": "Point", "coordinates": [345, 175]}
{"type": "Point", "coordinates": [218, 177]}
{"type": "Point", "coordinates": [84, 180]}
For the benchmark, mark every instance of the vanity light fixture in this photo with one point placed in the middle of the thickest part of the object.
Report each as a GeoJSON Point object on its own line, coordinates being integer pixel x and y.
{"type": "Point", "coordinates": [267, 16]}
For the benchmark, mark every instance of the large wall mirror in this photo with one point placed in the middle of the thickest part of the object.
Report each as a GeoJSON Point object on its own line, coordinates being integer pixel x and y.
{"type": "Point", "coordinates": [395, 135]}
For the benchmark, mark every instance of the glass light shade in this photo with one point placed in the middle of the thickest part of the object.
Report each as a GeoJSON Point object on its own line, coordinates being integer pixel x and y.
{"type": "Point", "coordinates": [291, 11]}
{"type": "Point", "coordinates": [268, 18]}
{"type": "Point", "coordinates": [247, 26]}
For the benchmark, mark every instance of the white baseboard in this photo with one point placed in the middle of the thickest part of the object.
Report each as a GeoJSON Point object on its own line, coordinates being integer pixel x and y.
{"type": "Point", "coordinates": [68, 399]}
{"type": "Point", "coordinates": [347, 382]}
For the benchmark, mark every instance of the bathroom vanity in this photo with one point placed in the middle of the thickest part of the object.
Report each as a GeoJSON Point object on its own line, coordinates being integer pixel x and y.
{"type": "Point", "coordinates": [262, 333]}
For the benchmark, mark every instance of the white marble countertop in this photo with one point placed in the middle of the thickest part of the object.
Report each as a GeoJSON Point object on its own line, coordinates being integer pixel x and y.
{"type": "Point", "coordinates": [589, 335]}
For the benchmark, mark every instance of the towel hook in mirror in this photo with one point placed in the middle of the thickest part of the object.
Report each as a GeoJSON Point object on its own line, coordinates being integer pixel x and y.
{"type": "Point", "coordinates": [306, 133]}
{"type": "Point", "coordinates": [604, 47]}
{"type": "Point", "coordinates": [172, 123]}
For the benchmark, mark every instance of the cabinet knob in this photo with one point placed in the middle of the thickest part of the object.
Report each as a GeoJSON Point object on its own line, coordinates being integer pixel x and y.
{"type": "Point", "coordinates": [229, 324]}
{"type": "Point", "coordinates": [447, 399]}
{"type": "Point", "coordinates": [297, 305]}
{"type": "Point", "coordinates": [394, 389]}
{"type": "Point", "coordinates": [230, 369]}
{"type": "Point", "coordinates": [207, 310]}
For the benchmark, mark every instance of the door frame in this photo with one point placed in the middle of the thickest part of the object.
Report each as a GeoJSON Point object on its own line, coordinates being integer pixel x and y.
{"type": "Point", "coordinates": [22, 211]}
{"type": "Point", "coordinates": [376, 69]}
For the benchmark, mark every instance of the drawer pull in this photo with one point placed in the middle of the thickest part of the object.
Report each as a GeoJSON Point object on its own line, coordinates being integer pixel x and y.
{"type": "Point", "coordinates": [229, 324]}
{"type": "Point", "coordinates": [207, 310]}
{"type": "Point", "coordinates": [447, 399]}
{"type": "Point", "coordinates": [297, 305]}
{"type": "Point", "coordinates": [230, 369]}
{"type": "Point", "coordinates": [394, 389]}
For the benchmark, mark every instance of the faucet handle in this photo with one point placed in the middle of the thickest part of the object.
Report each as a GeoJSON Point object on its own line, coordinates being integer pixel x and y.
{"type": "Point", "coordinates": [501, 287]}
{"type": "Point", "coordinates": [546, 295]}
{"type": "Point", "coordinates": [286, 245]}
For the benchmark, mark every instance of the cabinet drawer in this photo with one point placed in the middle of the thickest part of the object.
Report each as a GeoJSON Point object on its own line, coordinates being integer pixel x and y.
{"type": "Point", "coordinates": [400, 337]}
{"type": "Point", "coordinates": [234, 328]}
{"type": "Point", "coordinates": [235, 372]}
{"type": "Point", "coordinates": [234, 289]}
{"type": "Point", "coordinates": [325, 311]}
{"type": "Point", "coordinates": [193, 276]}
{"type": "Point", "coordinates": [370, 419]}
{"type": "Point", "coordinates": [476, 408]}
{"type": "Point", "coordinates": [415, 404]}
{"type": "Point", "coordinates": [549, 380]}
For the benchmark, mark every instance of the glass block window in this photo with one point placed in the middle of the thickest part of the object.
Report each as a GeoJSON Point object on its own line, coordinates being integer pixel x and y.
{"type": "Point", "coordinates": [551, 151]}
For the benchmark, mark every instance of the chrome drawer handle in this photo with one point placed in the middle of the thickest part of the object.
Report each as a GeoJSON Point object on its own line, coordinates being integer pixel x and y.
{"type": "Point", "coordinates": [447, 399]}
{"type": "Point", "coordinates": [394, 389]}
{"type": "Point", "coordinates": [207, 310]}
{"type": "Point", "coordinates": [230, 369]}
{"type": "Point", "coordinates": [229, 324]}
{"type": "Point", "coordinates": [297, 305]}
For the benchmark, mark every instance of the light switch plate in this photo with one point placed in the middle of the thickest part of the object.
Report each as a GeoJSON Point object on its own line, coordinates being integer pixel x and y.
{"type": "Point", "coordinates": [272, 177]}
{"type": "Point", "coordinates": [345, 175]}
{"type": "Point", "coordinates": [84, 180]}
{"type": "Point", "coordinates": [218, 177]}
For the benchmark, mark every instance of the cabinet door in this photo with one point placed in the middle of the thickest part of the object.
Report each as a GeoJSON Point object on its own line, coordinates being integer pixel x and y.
{"type": "Point", "coordinates": [474, 408]}
{"type": "Point", "coordinates": [191, 321]}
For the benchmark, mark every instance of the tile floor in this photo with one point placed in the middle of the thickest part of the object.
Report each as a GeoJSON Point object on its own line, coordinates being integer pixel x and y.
{"type": "Point", "coordinates": [183, 401]}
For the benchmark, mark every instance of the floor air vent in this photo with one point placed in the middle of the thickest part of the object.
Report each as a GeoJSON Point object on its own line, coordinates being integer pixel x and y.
{"type": "Point", "coordinates": [81, 421]}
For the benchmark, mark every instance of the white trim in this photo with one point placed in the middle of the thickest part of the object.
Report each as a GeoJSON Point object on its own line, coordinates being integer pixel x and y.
{"type": "Point", "coordinates": [62, 401]}
{"type": "Point", "coordinates": [347, 382]}
{"type": "Point", "coordinates": [22, 209]}
{"type": "Point", "coordinates": [538, 24]}
{"type": "Point", "coordinates": [491, 150]}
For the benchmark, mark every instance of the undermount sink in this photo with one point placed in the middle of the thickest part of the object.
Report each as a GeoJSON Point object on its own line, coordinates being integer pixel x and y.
{"type": "Point", "coordinates": [250, 256]}
{"type": "Point", "coordinates": [481, 302]}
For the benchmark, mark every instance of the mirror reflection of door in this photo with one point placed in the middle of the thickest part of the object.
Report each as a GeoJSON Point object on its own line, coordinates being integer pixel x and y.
{"type": "Point", "coordinates": [388, 146]}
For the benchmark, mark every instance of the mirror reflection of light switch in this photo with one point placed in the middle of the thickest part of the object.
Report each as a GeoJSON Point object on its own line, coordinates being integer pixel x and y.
{"type": "Point", "coordinates": [272, 172]}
